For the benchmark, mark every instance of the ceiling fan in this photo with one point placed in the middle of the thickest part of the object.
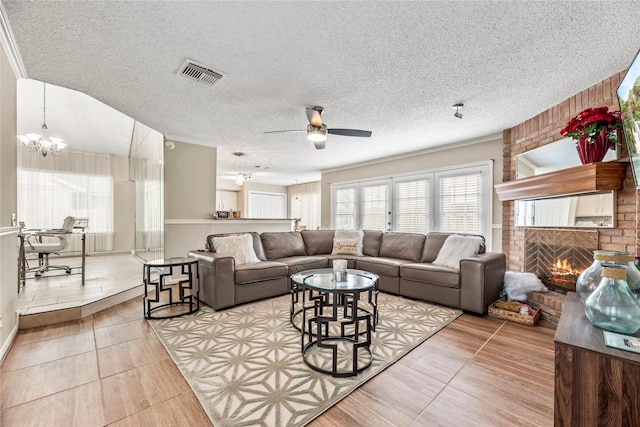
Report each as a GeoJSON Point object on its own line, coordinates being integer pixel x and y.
{"type": "Point", "coordinates": [317, 131]}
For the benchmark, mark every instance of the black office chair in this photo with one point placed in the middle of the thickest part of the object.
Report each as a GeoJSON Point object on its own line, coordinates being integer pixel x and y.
{"type": "Point", "coordinates": [48, 242]}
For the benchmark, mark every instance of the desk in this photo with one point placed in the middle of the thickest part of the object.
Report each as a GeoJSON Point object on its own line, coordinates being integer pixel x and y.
{"type": "Point", "coordinates": [23, 234]}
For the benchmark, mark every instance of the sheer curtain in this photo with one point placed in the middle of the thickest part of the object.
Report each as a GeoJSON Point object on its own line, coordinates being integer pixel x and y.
{"type": "Point", "coordinates": [304, 203]}
{"type": "Point", "coordinates": [72, 183]}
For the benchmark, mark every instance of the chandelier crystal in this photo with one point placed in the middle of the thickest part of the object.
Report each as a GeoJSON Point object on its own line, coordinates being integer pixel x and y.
{"type": "Point", "coordinates": [241, 177]}
{"type": "Point", "coordinates": [43, 143]}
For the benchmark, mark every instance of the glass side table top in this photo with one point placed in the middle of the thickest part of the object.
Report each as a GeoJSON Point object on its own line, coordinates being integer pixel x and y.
{"type": "Point", "coordinates": [170, 261]}
{"type": "Point", "coordinates": [322, 280]}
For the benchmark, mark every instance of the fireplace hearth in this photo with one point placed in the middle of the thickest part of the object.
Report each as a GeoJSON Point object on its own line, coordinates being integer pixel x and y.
{"type": "Point", "coordinates": [558, 256]}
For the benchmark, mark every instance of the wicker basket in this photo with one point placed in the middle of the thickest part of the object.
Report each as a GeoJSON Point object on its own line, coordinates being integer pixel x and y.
{"type": "Point", "coordinates": [499, 313]}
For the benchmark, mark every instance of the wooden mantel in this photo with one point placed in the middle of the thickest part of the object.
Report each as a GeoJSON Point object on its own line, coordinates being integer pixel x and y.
{"type": "Point", "coordinates": [591, 178]}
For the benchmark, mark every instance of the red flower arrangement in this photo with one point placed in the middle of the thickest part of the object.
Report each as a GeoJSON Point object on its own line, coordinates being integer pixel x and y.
{"type": "Point", "coordinates": [595, 132]}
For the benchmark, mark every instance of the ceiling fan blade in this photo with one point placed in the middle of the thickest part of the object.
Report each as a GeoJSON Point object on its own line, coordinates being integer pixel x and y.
{"type": "Point", "coordinates": [319, 145]}
{"type": "Point", "coordinates": [313, 114]}
{"type": "Point", "coordinates": [350, 132]}
{"type": "Point", "coordinates": [286, 131]}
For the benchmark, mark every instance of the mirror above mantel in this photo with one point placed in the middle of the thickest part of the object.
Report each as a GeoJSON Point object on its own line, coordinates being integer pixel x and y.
{"type": "Point", "coordinates": [558, 155]}
{"type": "Point", "coordinates": [550, 181]}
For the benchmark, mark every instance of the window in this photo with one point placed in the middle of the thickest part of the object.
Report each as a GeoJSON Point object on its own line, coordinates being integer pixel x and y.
{"type": "Point", "coordinates": [453, 200]}
{"type": "Point", "coordinates": [344, 201]}
{"type": "Point", "coordinates": [411, 201]}
{"type": "Point", "coordinates": [374, 205]}
{"type": "Point", "coordinates": [45, 198]}
{"type": "Point", "coordinates": [459, 203]}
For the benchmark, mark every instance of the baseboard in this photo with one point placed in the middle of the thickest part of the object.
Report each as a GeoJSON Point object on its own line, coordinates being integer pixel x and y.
{"type": "Point", "coordinates": [7, 345]}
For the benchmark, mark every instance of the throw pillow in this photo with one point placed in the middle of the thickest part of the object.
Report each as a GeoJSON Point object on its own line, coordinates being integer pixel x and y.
{"type": "Point", "coordinates": [457, 247]}
{"type": "Point", "coordinates": [518, 285]}
{"type": "Point", "coordinates": [240, 247]}
{"type": "Point", "coordinates": [347, 242]}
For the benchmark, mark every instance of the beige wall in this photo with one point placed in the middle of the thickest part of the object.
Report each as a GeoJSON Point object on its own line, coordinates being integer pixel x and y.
{"type": "Point", "coordinates": [8, 205]}
{"type": "Point", "coordinates": [189, 196]}
{"type": "Point", "coordinates": [428, 160]}
{"type": "Point", "coordinates": [189, 181]}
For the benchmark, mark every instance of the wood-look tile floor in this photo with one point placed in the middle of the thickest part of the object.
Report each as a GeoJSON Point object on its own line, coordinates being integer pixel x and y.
{"type": "Point", "coordinates": [110, 369]}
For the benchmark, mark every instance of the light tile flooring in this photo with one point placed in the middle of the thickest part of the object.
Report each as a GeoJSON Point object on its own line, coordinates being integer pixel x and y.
{"type": "Point", "coordinates": [109, 368]}
{"type": "Point", "coordinates": [55, 297]}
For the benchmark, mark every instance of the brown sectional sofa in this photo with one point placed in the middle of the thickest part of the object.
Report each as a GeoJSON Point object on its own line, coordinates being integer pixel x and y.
{"type": "Point", "coordinates": [403, 261]}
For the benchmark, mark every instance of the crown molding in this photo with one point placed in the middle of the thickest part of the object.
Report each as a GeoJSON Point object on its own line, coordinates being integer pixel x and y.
{"type": "Point", "coordinates": [8, 43]}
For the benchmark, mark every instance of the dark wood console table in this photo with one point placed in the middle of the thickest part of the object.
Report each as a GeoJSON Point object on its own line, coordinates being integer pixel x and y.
{"type": "Point", "coordinates": [595, 385]}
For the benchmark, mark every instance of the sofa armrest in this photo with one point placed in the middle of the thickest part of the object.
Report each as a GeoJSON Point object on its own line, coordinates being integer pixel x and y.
{"type": "Point", "coordinates": [481, 278]}
{"type": "Point", "coordinates": [217, 278]}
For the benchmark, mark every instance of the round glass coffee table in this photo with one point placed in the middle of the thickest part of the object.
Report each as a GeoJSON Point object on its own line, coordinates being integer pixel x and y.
{"type": "Point", "coordinates": [335, 327]}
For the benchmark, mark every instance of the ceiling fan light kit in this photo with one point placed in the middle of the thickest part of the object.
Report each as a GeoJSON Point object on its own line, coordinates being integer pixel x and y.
{"type": "Point", "coordinates": [317, 131]}
{"type": "Point", "coordinates": [317, 134]}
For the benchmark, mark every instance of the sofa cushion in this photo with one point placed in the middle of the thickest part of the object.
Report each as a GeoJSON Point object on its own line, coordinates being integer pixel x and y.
{"type": "Point", "coordinates": [347, 242]}
{"type": "Point", "coordinates": [406, 246]}
{"type": "Point", "coordinates": [371, 242]}
{"type": "Point", "coordinates": [300, 263]}
{"type": "Point", "coordinates": [382, 266]}
{"type": "Point", "coordinates": [434, 242]}
{"type": "Point", "coordinates": [457, 247]}
{"type": "Point", "coordinates": [430, 273]}
{"type": "Point", "coordinates": [282, 244]}
{"type": "Point", "coordinates": [240, 247]}
{"type": "Point", "coordinates": [317, 241]}
{"type": "Point", "coordinates": [257, 243]}
{"type": "Point", "coordinates": [265, 270]}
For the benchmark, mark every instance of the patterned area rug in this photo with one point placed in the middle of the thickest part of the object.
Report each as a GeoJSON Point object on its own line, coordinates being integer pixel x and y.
{"type": "Point", "coordinates": [245, 366]}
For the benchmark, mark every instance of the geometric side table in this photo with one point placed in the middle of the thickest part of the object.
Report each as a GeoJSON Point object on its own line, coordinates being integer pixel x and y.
{"type": "Point", "coordinates": [170, 296]}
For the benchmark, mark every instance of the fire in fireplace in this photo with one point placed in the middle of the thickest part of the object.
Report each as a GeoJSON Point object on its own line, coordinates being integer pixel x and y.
{"type": "Point", "coordinates": [561, 273]}
{"type": "Point", "coordinates": [559, 256]}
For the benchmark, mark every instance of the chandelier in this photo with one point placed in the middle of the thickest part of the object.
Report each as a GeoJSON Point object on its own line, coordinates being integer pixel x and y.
{"type": "Point", "coordinates": [242, 177]}
{"type": "Point", "coordinates": [43, 143]}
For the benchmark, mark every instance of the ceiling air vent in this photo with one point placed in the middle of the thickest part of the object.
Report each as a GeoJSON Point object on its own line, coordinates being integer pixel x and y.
{"type": "Point", "coordinates": [193, 71]}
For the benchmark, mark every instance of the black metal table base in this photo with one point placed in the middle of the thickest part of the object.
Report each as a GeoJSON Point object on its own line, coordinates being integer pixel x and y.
{"type": "Point", "coordinates": [335, 330]}
{"type": "Point", "coordinates": [186, 297]}
{"type": "Point", "coordinates": [321, 335]}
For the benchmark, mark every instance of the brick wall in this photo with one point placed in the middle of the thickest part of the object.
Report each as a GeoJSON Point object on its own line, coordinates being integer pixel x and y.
{"type": "Point", "coordinates": [544, 129]}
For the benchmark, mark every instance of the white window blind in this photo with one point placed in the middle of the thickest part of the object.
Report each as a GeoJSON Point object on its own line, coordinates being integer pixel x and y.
{"type": "Point", "coordinates": [344, 207]}
{"type": "Point", "coordinates": [374, 206]}
{"type": "Point", "coordinates": [460, 203]}
{"type": "Point", "coordinates": [524, 212]}
{"type": "Point", "coordinates": [453, 200]}
{"type": "Point", "coordinates": [411, 205]}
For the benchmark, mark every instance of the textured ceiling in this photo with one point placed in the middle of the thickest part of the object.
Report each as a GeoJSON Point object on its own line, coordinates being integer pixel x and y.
{"type": "Point", "coordinates": [394, 68]}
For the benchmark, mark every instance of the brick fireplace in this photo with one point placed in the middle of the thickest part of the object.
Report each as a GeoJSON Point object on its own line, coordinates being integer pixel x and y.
{"type": "Point", "coordinates": [544, 129]}
{"type": "Point", "coordinates": [558, 256]}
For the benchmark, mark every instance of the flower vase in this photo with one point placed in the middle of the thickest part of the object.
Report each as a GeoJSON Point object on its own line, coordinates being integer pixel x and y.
{"type": "Point", "coordinates": [593, 150]}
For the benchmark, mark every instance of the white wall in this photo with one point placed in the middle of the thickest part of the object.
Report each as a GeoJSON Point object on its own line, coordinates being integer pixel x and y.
{"type": "Point", "coordinates": [427, 160]}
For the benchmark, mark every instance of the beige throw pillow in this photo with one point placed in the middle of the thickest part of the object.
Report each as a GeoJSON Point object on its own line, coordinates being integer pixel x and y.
{"type": "Point", "coordinates": [347, 242]}
{"type": "Point", "coordinates": [239, 247]}
{"type": "Point", "coordinates": [457, 247]}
